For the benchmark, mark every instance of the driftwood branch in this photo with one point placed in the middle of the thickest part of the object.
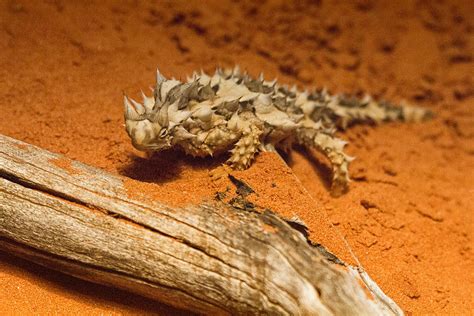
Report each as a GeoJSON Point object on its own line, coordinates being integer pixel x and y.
{"type": "Point", "coordinates": [208, 258]}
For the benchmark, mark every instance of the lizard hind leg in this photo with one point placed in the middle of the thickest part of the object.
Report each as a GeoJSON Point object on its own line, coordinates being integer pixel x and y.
{"type": "Point", "coordinates": [246, 148]}
{"type": "Point", "coordinates": [332, 148]}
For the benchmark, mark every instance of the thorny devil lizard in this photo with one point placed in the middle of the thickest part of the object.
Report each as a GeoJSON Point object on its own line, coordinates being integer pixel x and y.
{"type": "Point", "coordinates": [231, 111]}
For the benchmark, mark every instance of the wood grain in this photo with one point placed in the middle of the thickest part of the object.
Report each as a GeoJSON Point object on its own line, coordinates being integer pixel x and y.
{"type": "Point", "coordinates": [210, 258]}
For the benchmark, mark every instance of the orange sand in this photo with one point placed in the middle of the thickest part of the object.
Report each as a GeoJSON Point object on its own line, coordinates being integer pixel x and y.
{"type": "Point", "coordinates": [408, 215]}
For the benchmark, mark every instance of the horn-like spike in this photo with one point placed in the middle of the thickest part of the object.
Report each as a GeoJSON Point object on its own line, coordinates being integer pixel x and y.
{"type": "Point", "coordinates": [367, 98]}
{"type": "Point", "coordinates": [236, 70]}
{"type": "Point", "coordinates": [260, 77]}
{"type": "Point", "coordinates": [144, 97]}
{"type": "Point", "coordinates": [159, 77]}
{"type": "Point", "coordinates": [138, 107]}
{"type": "Point", "coordinates": [148, 102]}
{"type": "Point", "coordinates": [130, 111]}
{"type": "Point", "coordinates": [126, 105]}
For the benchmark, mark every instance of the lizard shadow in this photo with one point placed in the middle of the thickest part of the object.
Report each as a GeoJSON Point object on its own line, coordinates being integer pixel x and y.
{"type": "Point", "coordinates": [318, 163]}
{"type": "Point", "coordinates": [166, 166]}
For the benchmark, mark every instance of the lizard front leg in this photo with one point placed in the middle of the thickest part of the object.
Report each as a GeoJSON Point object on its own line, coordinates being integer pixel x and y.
{"type": "Point", "coordinates": [246, 148]}
{"type": "Point", "coordinates": [332, 148]}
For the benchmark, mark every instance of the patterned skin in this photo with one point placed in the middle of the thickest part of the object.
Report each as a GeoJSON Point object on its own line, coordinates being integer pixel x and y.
{"type": "Point", "coordinates": [232, 112]}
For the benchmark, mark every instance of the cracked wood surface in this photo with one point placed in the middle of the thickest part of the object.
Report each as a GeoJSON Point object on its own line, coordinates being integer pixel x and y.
{"type": "Point", "coordinates": [209, 258]}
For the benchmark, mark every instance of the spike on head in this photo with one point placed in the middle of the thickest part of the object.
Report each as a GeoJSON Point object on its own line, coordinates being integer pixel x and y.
{"type": "Point", "coordinates": [144, 97]}
{"type": "Point", "coordinates": [236, 70]}
{"type": "Point", "coordinates": [367, 98]}
{"type": "Point", "coordinates": [148, 102]}
{"type": "Point", "coordinates": [159, 77]}
{"type": "Point", "coordinates": [138, 107]}
{"type": "Point", "coordinates": [131, 111]}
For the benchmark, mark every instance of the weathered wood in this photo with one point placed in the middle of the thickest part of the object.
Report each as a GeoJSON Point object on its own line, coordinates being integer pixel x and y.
{"type": "Point", "coordinates": [208, 258]}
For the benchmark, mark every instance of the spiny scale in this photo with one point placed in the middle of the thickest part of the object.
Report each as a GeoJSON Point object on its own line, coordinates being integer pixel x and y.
{"type": "Point", "coordinates": [233, 112]}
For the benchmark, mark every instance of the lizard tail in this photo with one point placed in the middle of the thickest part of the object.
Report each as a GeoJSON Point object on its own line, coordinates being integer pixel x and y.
{"type": "Point", "coordinates": [349, 111]}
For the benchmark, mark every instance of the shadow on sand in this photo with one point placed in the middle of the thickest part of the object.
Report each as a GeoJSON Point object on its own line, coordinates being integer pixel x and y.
{"type": "Point", "coordinates": [167, 166]}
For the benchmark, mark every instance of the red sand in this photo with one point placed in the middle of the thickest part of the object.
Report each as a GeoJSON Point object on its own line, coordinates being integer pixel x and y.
{"type": "Point", "coordinates": [408, 214]}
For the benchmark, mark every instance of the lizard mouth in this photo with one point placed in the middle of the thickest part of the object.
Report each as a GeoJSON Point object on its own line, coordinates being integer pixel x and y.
{"type": "Point", "coordinates": [144, 135]}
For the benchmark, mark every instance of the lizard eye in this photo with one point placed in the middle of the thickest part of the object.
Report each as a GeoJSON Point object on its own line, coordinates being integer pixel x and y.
{"type": "Point", "coordinates": [163, 132]}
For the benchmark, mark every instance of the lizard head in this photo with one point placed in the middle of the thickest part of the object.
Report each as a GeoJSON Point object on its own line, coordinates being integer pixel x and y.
{"type": "Point", "coordinates": [152, 124]}
{"type": "Point", "coordinates": [145, 131]}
